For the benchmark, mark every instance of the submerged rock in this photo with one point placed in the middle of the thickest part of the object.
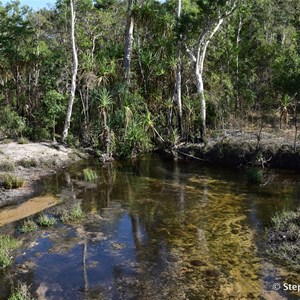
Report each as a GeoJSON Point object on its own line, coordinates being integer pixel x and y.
{"type": "Point", "coordinates": [198, 263]}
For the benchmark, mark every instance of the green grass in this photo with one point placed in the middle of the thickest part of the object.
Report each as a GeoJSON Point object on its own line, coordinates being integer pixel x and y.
{"type": "Point", "coordinates": [28, 226]}
{"type": "Point", "coordinates": [89, 175]}
{"type": "Point", "coordinates": [7, 166]}
{"type": "Point", "coordinates": [27, 163]}
{"type": "Point", "coordinates": [46, 221]}
{"type": "Point", "coordinates": [21, 293]}
{"type": "Point", "coordinates": [11, 182]}
{"type": "Point", "coordinates": [284, 238]}
{"type": "Point", "coordinates": [74, 215]}
{"type": "Point", "coordinates": [23, 141]}
{"type": "Point", "coordinates": [7, 244]}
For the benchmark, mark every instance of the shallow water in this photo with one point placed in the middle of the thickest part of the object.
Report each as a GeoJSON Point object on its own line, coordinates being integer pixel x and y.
{"type": "Point", "coordinates": [155, 229]}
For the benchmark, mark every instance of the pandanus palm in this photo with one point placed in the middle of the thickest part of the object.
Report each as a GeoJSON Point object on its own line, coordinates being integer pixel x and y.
{"type": "Point", "coordinates": [106, 102]}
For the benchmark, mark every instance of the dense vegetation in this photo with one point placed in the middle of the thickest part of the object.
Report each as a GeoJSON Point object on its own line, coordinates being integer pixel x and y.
{"type": "Point", "coordinates": [149, 72]}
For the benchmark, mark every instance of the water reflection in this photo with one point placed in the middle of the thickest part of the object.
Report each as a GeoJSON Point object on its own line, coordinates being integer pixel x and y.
{"type": "Point", "coordinates": [158, 230]}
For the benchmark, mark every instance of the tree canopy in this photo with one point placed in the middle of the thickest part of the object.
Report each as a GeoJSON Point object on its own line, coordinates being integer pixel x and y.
{"type": "Point", "coordinates": [251, 64]}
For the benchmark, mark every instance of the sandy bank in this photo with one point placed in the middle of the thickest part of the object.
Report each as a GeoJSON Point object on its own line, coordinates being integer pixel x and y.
{"type": "Point", "coordinates": [31, 162]}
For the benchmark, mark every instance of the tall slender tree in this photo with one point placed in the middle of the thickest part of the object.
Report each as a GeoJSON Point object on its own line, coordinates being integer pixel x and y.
{"type": "Point", "coordinates": [128, 41]}
{"type": "Point", "coordinates": [74, 72]}
{"type": "Point", "coordinates": [198, 57]}
{"type": "Point", "coordinates": [178, 73]}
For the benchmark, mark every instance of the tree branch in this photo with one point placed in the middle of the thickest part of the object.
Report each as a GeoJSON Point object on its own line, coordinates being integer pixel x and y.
{"type": "Point", "coordinates": [190, 53]}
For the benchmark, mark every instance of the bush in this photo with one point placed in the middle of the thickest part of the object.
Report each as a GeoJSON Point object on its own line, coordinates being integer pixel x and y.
{"type": "Point", "coordinates": [11, 124]}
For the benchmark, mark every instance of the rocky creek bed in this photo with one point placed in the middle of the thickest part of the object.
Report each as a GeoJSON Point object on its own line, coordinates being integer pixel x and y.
{"type": "Point", "coordinates": [153, 228]}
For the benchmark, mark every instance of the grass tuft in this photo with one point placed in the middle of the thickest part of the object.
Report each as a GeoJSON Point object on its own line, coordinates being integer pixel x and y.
{"type": "Point", "coordinates": [21, 293]}
{"type": "Point", "coordinates": [44, 220]}
{"type": "Point", "coordinates": [74, 215]}
{"type": "Point", "coordinates": [89, 175]}
{"type": "Point", "coordinates": [28, 163]}
{"type": "Point", "coordinates": [28, 226]}
{"type": "Point", "coordinates": [7, 244]}
{"type": "Point", "coordinates": [284, 238]}
{"type": "Point", "coordinates": [11, 182]}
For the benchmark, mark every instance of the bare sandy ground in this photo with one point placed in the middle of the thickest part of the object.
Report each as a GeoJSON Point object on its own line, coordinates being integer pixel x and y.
{"type": "Point", "coordinates": [31, 162]}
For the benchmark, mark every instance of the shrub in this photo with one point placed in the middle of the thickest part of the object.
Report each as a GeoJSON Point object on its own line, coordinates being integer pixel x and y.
{"type": "Point", "coordinates": [11, 123]}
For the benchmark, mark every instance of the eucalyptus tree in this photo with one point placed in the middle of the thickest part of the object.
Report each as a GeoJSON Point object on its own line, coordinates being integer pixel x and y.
{"type": "Point", "coordinates": [211, 17]}
{"type": "Point", "coordinates": [128, 41]}
{"type": "Point", "coordinates": [178, 72]}
{"type": "Point", "coordinates": [74, 72]}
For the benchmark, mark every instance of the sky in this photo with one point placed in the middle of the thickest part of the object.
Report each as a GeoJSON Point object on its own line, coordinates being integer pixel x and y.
{"type": "Point", "coordinates": [35, 4]}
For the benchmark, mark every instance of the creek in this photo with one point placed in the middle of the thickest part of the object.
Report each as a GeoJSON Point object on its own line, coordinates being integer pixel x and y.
{"type": "Point", "coordinates": [155, 229]}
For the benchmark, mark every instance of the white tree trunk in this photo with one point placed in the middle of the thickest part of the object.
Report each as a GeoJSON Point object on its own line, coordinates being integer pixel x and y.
{"type": "Point", "coordinates": [198, 61]}
{"type": "Point", "coordinates": [200, 90]}
{"type": "Point", "coordinates": [178, 75]}
{"type": "Point", "coordinates": [238, 39]}
{"type": "Point", "coordinates": [74, 73]}
{"type": "Point", "coordinates": [128, 41]}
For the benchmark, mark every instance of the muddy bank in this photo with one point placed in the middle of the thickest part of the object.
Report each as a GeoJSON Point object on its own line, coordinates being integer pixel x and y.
{"type": "Point", "coordinates": [30, 162]}
{"type": "Point", "coordinates": [237, 148]}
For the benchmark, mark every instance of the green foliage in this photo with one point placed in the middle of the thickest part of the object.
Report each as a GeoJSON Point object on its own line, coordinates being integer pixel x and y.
{"type": "Point", "coordinates": [11, 124]}
{"type": "Point", "coordinates": [284, 238]}
{"type": "Point", "coordinates": [28, 226]}
{"type": "Point", "coordinates": [11, 182]}
{"type": "Point", "coordinates": [28, 163]}
{"type": "Point", "coordinates": [45, 220]}
{"type": "Point", "coordinates": [250, 64]}
{"type": "Point", "coordinates": [135, 140]}
{"type": "Point", "coordinates": [89, 175]}
{"type": "Point", "coordinates": [174, 137]}
{"type": "Point", "coordinates": [7, 244]}
{"type": "Point", "coordinates": [21, 293]}
{"type": "Point", "coordinates": [54, 107]}
{"type": "Point", "coordinates": [255, 175]}
{"type": "Point", "coordinates": [7, 166]}
{"type": "Point", "coordinates": [23, 141]}
{"type": "Point", "coordinates": [105, 99]}
{"type": "Point", "coordinates": [75, 214]}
